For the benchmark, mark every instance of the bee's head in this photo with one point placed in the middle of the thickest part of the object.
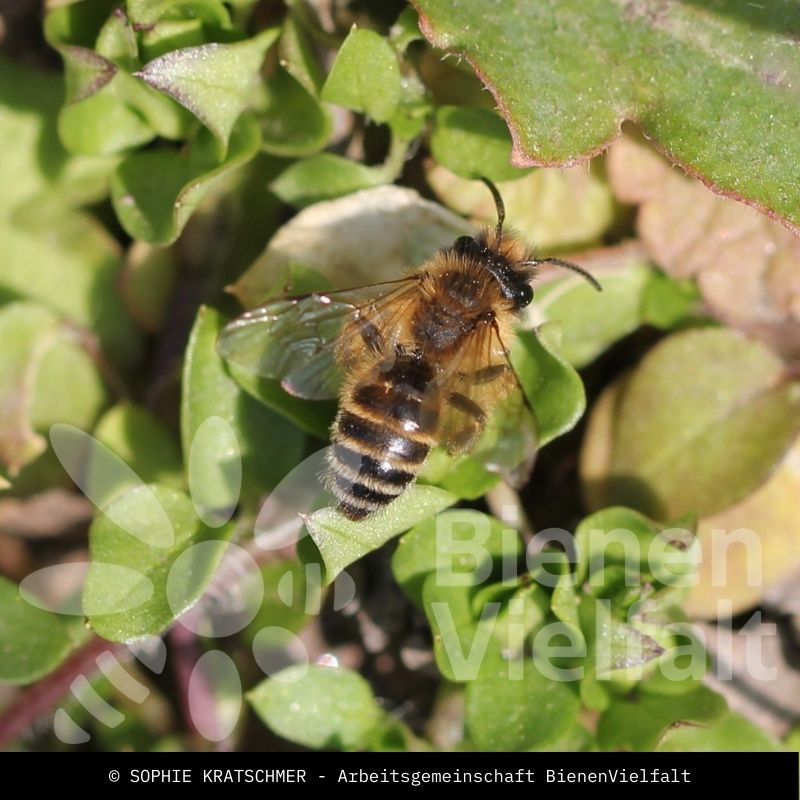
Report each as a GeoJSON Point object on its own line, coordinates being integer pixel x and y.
{"type": "Point", "coordinates": [513, 274]}
{"type": "Point", "coordinates": [514, 284]}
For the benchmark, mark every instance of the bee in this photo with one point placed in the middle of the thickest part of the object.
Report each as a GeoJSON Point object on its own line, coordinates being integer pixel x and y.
{"type": "Point", "coordinates": [416, 363]}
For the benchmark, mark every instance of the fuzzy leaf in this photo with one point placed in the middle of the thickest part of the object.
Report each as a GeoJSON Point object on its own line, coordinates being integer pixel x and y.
{"type": "Point", "coordinates": [320, 707]}
{"type": "Point", "coordinates": [150, 562]}
{"type": "Point", "coordinates": [263, 449]}
{"type": "Point", "coordinates": [341, 542]}
{"type": "Point", "coordinates": [323, 177]}
{"type": "Point", "coordinates": [714, 84]}
{"type": "Point", "coordinates": [213, 80]}
{"type": "Point", "coordinates": [506, 713]}
{"type": "Point", "coordinates": [705, 403]}
{"type": "Point", "coordinates": [155, 192]}
{"type": "Point", "coordinates": [33, 642]}
{"type": "Point", "coordinates": [473, 143]}
{"type": "Point", "coordinates": [365, 76]}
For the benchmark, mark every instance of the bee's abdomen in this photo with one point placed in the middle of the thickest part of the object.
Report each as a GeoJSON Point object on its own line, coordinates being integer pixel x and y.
{"type": "Point", "coordinates": [381, 437]}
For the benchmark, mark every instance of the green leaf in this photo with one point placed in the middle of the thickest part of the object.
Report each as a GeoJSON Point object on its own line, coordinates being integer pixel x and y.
{"type": "Point", "coordinates": [119, 116]}
{"type": "Point", "coordinates": [293, 122]}
{"type": "Point", "coordinates": [166, 117]}
{"type": "Point", "coordinates": [591, 321]}
{"type": "Point", "coordinates": [77, 23]}
{"type": "Point", "coordinates": [85, 72]}
{"type": "Point", "coordinates": [323, 177]}
{"type": "Point", "coordinates": [151, 560]}
{"type": "Point", "coordinates": [406, 124]}
{"type": "Point", "coordinates": [566, 73]}
{"type": "Point", "coordinates": [405, 29]}
{"type": "Point", "coordinates": [41, 183]}
{"type": "Point", "coordinates": [33, 642]}
{"type": "Point", "coordinates": [44, 378]}
{"type": "Point", "coordinates": [292, 595]}
{"type": "Point", "coordinates": [155, 192]}
{"type": "Point", "coordinates": [732, 733]}
{"type": "Point", "coordinates": [464, 475]}
{"type": "Point", "coordinates": [457, 541]}
{"type": "Point", "coordinates": [341, 541]}
{"type": "Point", "coordinates": [142, 442]}
{"type": "Point", "coordinates": [668, 302]}
{"type": "Point", "coordinates": [117, 41]}
{"type": "Point", "coordinates": [365, 76]}
{"type": "Point", "coordinates": [683, 667]}
{"type": "Point", "coordinates": [473, 143]}
{"type": "Point", "coordinates": [616, 646]}
{"type": "Point", "coordinates": [102, 115]}
{"type": "Point", "coordinates": [26, 332]}
{"type": "Point", "coordinates": [576, 740]}
{"type": "Point", "coordinates": [553, 388]}
{"type": "Point", "coordinates": [70, 263]}
{"type": "Point", "coordinates": [638, 724]}
{"type": "Point", "coordinates": [619, 535]}
{"type": "Point", "coordinates": [514, 707]}
{"type": "Point", "coordinates": [565, 603]}
{"type": "Point", "coordinates": [167, 35]}
{"type": "Point", "coordinates": [792, 741]}
{"type": "Point", "coordinates": [243, 445]}
{"type": "Point", "coordinates": [147, 12]}
{"type": "Point", "coordinates": [311, 416]}
{"type": "Point", "coordinates": [319, 707]}
{"type": "Point", "coordinates": [93, 466]}
{"type": "Point", "coordinates": [462, 639]}
{"type": "Point", "coordinates": [706, 403]}
{"type": "Point", "coordinates": [297, 56]}
{"type": "Point", "coordinates": [35, 165]}
{"type": "Point", "coordinates": [213, 80]}
{"type": "Point", "coordinates": [104, 123]}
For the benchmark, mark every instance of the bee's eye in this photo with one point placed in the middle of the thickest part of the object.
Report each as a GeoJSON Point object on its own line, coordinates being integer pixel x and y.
{"type": "Point", "coordinates": [524, 295]}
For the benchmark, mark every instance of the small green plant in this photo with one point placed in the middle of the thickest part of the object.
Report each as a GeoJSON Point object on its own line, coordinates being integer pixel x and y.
{"type": "Point", "coordinates": [192, 158]}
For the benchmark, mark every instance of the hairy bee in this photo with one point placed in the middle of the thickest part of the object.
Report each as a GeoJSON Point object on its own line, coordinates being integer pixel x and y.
{"type": "Point", "coordinates": [422, 361]}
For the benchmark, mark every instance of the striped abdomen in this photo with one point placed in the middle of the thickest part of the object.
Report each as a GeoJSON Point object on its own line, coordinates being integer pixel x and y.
{"type": "Point", "coordinates": [381, 436]}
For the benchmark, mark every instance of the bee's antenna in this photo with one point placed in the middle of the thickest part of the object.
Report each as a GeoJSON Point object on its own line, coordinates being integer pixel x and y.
{"type": "Point", "coordinates": [501, 209]}
{"type": "Point", "coordinates": [568, 265]}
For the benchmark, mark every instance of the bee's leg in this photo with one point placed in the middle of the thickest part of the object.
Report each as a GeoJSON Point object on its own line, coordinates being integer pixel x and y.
{"type": "Point", "coordinates": [370, 335]}
{"type": "Point", "coordinates": [491, 374]}
{"type": "Point", "coordinates": [462, 440]}
{"type": "Point", "coordinates": [358, 334]}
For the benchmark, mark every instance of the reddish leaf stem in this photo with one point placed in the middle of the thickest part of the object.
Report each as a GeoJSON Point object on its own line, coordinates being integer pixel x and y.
{"type": "Point", "coordinates": [42, 697]}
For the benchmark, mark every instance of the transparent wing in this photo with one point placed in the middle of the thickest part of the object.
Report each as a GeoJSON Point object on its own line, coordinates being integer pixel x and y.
{"type": "Point", "coordinates": [294, 339]}
{"type": "Point", "coordinates": [484, 410]}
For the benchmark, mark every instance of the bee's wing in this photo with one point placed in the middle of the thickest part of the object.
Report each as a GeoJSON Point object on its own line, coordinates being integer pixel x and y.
{"type": "Point", "coordinates": [484, 409]}
{"type": "Point", "coordinates": [294, 339]}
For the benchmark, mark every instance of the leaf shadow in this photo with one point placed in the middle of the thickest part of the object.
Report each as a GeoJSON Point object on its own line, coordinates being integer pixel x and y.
{"type": "Point", "coordinates": [630, 491]}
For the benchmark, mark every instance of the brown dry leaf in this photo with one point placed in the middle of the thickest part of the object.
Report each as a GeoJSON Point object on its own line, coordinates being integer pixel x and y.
{"type": "Point", "coordinates": [749, 547]}
{"type": "Point", "coordinates": [14, 559]}
{"type": "Point", "coordinates": [46, 514]}
{"type": "Point", "coordinates": [745, 264]}
{"type": "Point", "coordinates": [753, 673]}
